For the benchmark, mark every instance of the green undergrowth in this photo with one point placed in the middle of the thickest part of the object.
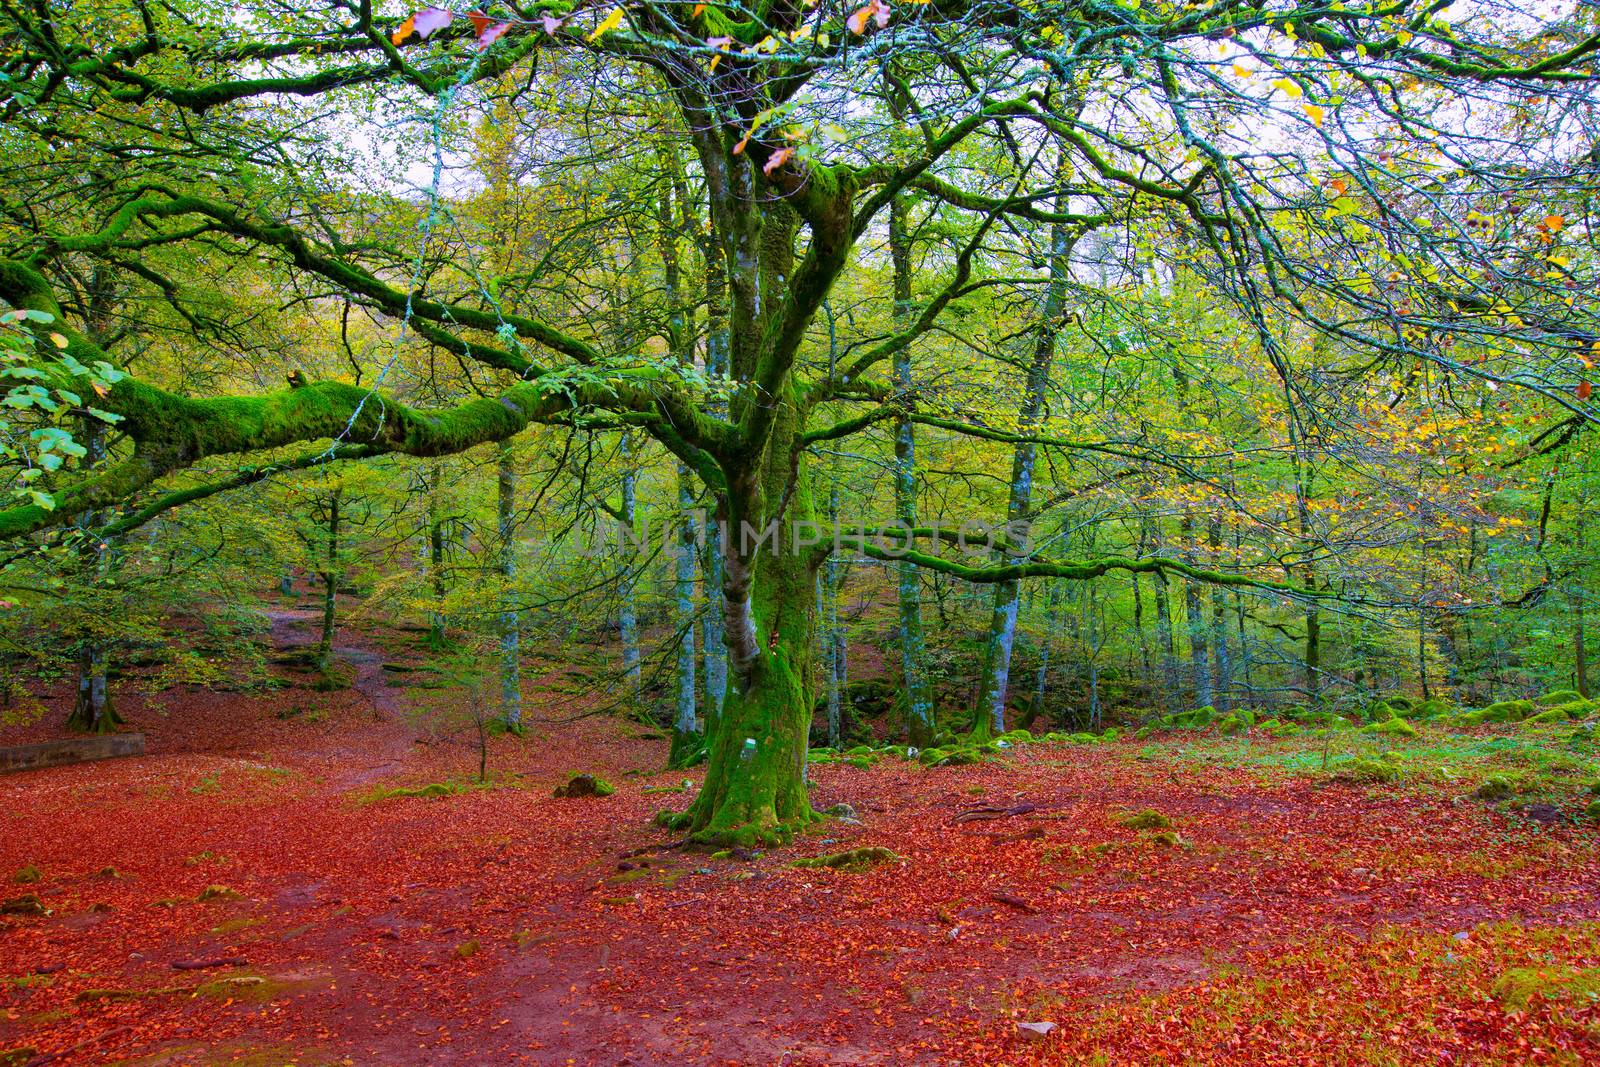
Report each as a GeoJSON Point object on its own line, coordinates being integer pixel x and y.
{"type": "Point", "coordinates": [952, 750]}
{"type": "Point", "coordinates": [429, 791]}
{"type": "Point", "coordinates": [1541, 757]}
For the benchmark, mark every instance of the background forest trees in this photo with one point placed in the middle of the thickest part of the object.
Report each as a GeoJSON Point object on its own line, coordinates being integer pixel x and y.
{"type": "Point", "coordinates": [1262, 335]}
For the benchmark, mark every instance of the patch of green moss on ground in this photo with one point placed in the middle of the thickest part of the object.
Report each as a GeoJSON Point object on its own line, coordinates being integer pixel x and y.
{"type": "Point", "coordinates": [855, 859]}
{"type": "Point", "coordinates": [1148, 819]}
{"type": "Point", "coordinates": [1520, 986]}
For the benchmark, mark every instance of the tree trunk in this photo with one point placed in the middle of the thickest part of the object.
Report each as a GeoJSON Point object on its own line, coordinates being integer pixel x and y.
{"type": "Point", "coordinates": [687, 740]}
{"type": "Point", "coordinates": [92, 709]}
{"type": "Point", "coordinates": [436, 564]}
{"type": "Point", "coordinates": [1169, 652]}
{"type": "Point", "coordinates": [1580, 656]}
{"type": "Point", "coordinates": [628, 619]}
{"type": "Point", "coordinates": [510, 619]}
{"type": "Point", "coordinates": [330, 583]}
{"type": "Point", "coordinates": [919, 700]}
{"type": "Point", "coordinates": [1003, 615]}
{"type": "Point", "coordinates": [835, 663]}
{"type": "Point", "coordinates": [1201, 671]}
{"type": "Point", "coordinates": [1221, 665]}
{"type": "Point", "coordinates": [754, 791]}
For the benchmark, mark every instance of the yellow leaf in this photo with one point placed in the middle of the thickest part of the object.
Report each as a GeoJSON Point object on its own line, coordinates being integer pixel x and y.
{"type": "Point", "coordinates": [1314, 113]}
{"type": "Point", "coordinates": [1242, 71]}
{"type": "Point", "coordinates": [1290, 87]}
{"type": "Point", "coordinates": [57, 340]}
{"type": "Point", "coordinates": [612, 21]}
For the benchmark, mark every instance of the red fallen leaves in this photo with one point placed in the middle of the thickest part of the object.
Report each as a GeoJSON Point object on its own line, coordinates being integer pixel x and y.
{"type": "Point", "coordinates": [365, 906]}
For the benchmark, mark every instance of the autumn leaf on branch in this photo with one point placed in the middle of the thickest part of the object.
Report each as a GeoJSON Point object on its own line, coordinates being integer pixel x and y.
{"type": "Point", "coordinates": [877, 10]}
{"type": "Point", "coordinates": [425, 23]}
{"type": "Point", "coordinates": [776, 160]}
{"type": "Point", "coordinates": [611, 22]}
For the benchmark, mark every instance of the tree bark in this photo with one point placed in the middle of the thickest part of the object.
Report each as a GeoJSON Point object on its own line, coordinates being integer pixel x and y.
{"type": "Point", "coordinates": [510, 618]}
{"type": "Point", "coordinates": [1003, 615]}
{"type": "Point", "coordinates": [918, 698]}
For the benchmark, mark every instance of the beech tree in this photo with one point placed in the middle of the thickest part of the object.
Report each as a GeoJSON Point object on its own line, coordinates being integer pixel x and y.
{"type": "Point", "coordinates": [1347, 170]}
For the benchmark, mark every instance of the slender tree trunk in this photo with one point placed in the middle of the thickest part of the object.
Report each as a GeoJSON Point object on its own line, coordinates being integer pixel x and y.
{"type": "Point", "coordinates": [331, 574]}
{"type": "Point", "coordinates": [835, 666]}
{"type": "Point", "coordinates": [715, 651]}
{"type": "Point", "coordinates": [628, 618]}
{"type": "Point", "coordinates": [436, 564]}
{"type": "Point", "coordinates": [687, 740]}
{"type": "Point", "coordinates": [1575, 599]}
{"type": "Point", "coordinates": [1221, 664]}
{"type": "Point", "coordinates": [1092, 648]}
{"type": "Point", "coordinates": [1199, 668]}
{"type": "Point", "coordinates": [919, 699]}
{"type": "Point", "coordinates": [92, 708]}
{"type": "Point", "coordinates": [1169, 654]}
{"type": "Point", "coordinates": [510, 618]}
{"type": "Point", "coordinates": [1003, 615]}
{"type": "Point", "coordinates": [1041, 676]}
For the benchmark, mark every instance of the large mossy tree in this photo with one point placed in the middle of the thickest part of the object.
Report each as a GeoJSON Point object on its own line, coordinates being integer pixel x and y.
{"type": "Point", "coordinates": [159, 131]}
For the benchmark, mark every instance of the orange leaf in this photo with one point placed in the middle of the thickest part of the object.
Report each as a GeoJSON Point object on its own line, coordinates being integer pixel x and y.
{"type": "Point", "coordinates": [776, 160]}
{"type": "Point", "coordinates": [1554, 223]}
{"type": "Point", "coordinates": [1583, 390]}
{"type": "Point", "coordinates": [405, 29]}
{"type": "Point", "coordinates": [480, 22]}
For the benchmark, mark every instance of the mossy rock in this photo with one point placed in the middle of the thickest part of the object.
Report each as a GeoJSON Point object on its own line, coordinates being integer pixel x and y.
{"type": "Point", "coordinates": [1232, 724]}
{"type": "Point", "coordinates": [1168, 839]}
{"type": "Point", "coordinates": [16, 1057]}
{"type": "Point", "coordinates": [1379, 711]}
{"type": "Point", "coordinates": [1084, 738]}
{"type": "Point", "coordinates": [1366, 771]}
{"type": "Point", "coordinates": [1502, 711]}
{"type": "Point", "coordinates": [1391, 727]}
{"type": "Point", "coordinates": [1431, 708]}
{"type": "Point", "coordinates": [1143, 732]}
{"type": "Point", "coordinates": [1558, 696]}
{"type": "Point", "coordinates": [1592, 812]}
{"type": "Point", "coordinates": [586, 785]}
{"type": "Point", "coordinates": [961, 757]}
{"type": "Point", "coordinates": [1496, 787]}
{"type": "Point", "coordinates": [1280, 730]}
{"type": "Point", "coordinates": [27, 904]}
{"type": "Point", "coordinates": [1520, 986]}
{"type": "Point", "coordinates": [27, 875]}
{"type": "Point", "coordinates": [1018, 736]}
{"type": "Point", "coordinates": [855, 859]}
{"type": "Point", "coordinates": [1148, 819]}
{"type": "Point", "coordinates": [860, 750]}
{"type": "Point", "coordinates": [433, 789]}
{"type": "Point", "coordinates": [467, 949]}
{"type": "Point", "coordinates": [218, 892]}
{"type": "Point", "coordinates": [863, 763]}
{"type": "Point", "coordinates": [929, 756]}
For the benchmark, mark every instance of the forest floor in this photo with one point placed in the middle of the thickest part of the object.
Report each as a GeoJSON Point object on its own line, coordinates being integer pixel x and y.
{"type": "Point", "coordinates": [245, 894]}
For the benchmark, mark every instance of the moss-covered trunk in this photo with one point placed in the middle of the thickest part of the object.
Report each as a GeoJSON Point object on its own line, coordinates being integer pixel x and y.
{"type": "Point", "coordinates": [755, 791]}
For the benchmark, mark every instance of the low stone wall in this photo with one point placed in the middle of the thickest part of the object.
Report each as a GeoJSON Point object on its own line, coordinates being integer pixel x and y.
{"type": "Point", "coordinates": [77, 750]}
